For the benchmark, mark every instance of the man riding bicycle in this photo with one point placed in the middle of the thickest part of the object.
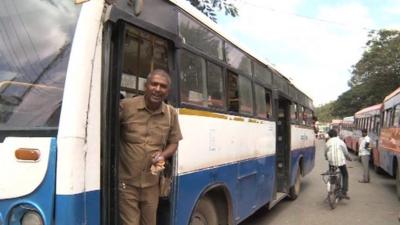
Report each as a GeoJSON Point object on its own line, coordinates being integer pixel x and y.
{"type": "Point", "coordinates": [336, 153]}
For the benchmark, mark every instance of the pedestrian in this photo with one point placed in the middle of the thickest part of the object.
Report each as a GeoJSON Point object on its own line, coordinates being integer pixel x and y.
{"type": "Point", "coordinates": [150, 134]}
{"type": "Point", "coordinates": [364, 153]}
{"type": "Point", "coordinates": [336, 153]}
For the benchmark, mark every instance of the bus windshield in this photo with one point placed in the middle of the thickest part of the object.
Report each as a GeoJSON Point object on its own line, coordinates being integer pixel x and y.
{"type": "Point", "coordinates": [35, 43]}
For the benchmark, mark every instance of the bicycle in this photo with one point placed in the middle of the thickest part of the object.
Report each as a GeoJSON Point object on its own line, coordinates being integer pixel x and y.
{"type": "Point", "coordinates": [333, 180]}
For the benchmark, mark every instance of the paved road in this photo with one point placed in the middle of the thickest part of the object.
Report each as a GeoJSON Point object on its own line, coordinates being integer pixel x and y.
{"type": "Point", "coordinates": [370, 204]}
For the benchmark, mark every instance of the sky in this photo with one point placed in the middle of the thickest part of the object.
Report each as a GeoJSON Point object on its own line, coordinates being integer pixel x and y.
{"type": "Point", "coordinates": [314, 43]}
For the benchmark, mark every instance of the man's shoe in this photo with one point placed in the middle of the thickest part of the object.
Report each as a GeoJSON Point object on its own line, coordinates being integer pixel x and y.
{"type": "Point", "coordinates": [345, 196]}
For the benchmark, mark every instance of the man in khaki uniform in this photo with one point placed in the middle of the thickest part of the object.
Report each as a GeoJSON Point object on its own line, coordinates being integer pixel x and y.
{"type": "Point", "coordinates": [149, 135]}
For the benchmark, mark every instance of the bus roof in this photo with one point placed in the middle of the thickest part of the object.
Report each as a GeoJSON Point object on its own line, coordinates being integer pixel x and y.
{"type": "Point", "coordinates": [186, 6]}
{"type": "Point", "coordinates": [348, 119]}
{"type": "Point", "coordinates": [336, 121]}
{"type": "Point", "coordinates": [391, 95]}
{"type": "Point", "coordinates": [369, 111]}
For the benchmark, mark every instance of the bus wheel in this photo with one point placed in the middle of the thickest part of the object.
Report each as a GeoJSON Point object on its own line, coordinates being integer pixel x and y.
{"type": "Point", "coordinates": [205, 213]}
{"type": "Point", "coordinates": [377, 169]}
{"type": "Point", "coordinates": [294, 191]}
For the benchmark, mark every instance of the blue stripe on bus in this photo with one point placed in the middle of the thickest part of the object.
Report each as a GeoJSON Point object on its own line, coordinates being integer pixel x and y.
{"type": "Point", "coordinates": [308, 157]}
{"type": "Point", "coordinates": [71, 209]}
{"type": "Point", "coordinates": [246, 199]}
{"type": "Point", "coordinates": [41, 199]}
{"type": "Point", "coordinates": [386, 159]}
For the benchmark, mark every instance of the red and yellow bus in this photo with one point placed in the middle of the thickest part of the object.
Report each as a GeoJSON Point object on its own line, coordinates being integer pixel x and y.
{"type": "Point", "coordinates": [389, 138]}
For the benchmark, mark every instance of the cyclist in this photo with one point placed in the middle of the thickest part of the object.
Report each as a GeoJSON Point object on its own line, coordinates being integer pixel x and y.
{"type": "Point", "coordinates": [336, 153]}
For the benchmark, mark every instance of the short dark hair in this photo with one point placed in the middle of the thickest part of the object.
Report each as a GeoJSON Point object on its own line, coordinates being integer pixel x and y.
{"type": "Point", "coordinates": [364, 131]}
{"type": "Point", "coordinates": [160, 72]}
{"type": "Point", "coordinates": [332, 133]}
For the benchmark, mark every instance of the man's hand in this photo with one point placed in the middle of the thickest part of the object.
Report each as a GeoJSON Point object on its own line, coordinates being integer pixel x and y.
{"type": "Point", "coordinates": [350, 159]}
{"type": "Point", "coordinates": [158, 163]}
{"type": "Point", "coordinates": [157, 157]}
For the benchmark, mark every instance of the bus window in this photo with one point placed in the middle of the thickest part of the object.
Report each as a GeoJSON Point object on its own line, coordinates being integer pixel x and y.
{"type": "Point", "coordinates": [237, 59]}
{"type": "Point", "coordinates": [303, 116]}
{"type": "Point", "coordinates": [245, 95]}
{"type": "Point", "coordinates": [397, 116]}
{"type": "Point", "coordinates": [34, 57]}
{"type": "Point", "coordinates": [262, 74]}
{"type": "Point", "coordinates": [263, 105]}
{"type": "Point", "coordinates": [215, 87]}
{"type": "Point", "coordinates": [143, 52]}
{"type": "Point", "coordinates": [200, 37]}
{"type": "Point", "coordinates": [293, 112]}
{"type": "Point", "coordinates": [269, 104]}
{"type": "Point", "coordinates": [233, 92]}
{"type": "Point", "coordinates": [193, 89]}
{"type": "Point", "coordinates": [309, 116]}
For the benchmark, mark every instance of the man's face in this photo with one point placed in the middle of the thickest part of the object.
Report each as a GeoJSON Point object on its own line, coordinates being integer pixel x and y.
{"type": "Point", "coordinates": [156, 90]}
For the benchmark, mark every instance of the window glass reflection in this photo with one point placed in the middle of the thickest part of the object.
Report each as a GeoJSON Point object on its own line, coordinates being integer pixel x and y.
{"type": "Point", "coordinates": [237, 59]}
{"type": "Point", "coordinates": [193, 85]}
{"type": "Point", "coordinates": [200, 37]}
{"type": "Point", "coordinates": [35, 43]}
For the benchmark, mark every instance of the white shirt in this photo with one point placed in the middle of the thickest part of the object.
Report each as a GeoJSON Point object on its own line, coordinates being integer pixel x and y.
{"type": "Point", "coordinates": [361, 148]}
{"type": "Point", "coordinates": [336, 151]}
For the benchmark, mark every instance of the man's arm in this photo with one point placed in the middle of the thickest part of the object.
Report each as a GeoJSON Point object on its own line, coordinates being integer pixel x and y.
{"type": "Point", "coordinates": [326, 152]}
{"type": "Point", "coordinates": [345, 151]}
{"type": "Point", "coordinates": [367, 140]}
{"type": "Point", "coordinates": [174, 137]}
{"type": "Point", "coordinates": [166, 154]}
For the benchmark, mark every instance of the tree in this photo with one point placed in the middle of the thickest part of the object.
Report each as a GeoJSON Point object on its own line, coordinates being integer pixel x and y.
{"type": "Point", "coordinates": [324, 112]}
{"type": "Point", "coordinates": [374, 76]}
{"type": "Point", "coordinates": [209, 7]}
{"type": "Point", "coordinates": [378, 71]}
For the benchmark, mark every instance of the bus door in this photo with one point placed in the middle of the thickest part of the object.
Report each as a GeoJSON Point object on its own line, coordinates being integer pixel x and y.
{"type": "Point", "coordinates": [282, 146]}
{"type": "Point", "coordinates": [134, 52]}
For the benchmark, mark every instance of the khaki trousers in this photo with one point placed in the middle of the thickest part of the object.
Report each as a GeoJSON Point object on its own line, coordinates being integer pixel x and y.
{"type": "Point", "coordinates": [365, 164]}
{"type": "Point", "coordinates": [138, 206]}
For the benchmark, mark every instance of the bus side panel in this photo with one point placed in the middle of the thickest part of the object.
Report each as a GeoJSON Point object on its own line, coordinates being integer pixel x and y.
{"type": "Point", "coordinates": [302, 148]}
{"type": "Point", "coordinates": [41, 199]}
{"type": "Point", "coordinates": [386, 157]}
{"type": "Point", "coordinates": [389, 148]}
{"type": "Point", "coordinates": [191, 186]}
{"type": "Point", "coordinates": [235, 151]}
{"type": "Point", "coordinates": [80, 208]}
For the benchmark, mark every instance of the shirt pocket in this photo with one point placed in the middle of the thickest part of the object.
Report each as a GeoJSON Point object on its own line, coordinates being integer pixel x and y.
{"type": "Point", "coordinates": [159, 134]}
{"type": "Point", "coordinates": [133, 131]}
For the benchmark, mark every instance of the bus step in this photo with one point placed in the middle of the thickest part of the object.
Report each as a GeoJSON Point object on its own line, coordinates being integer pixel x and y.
{"type": "Point", "coordinates": [279, 197]}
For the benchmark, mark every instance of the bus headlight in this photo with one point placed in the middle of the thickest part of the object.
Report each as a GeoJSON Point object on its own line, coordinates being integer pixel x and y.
{"type": "Point", "coordinates": [31, 218]}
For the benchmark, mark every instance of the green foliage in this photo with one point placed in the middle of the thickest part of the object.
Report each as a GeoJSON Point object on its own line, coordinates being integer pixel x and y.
{"type": "Point", "coordinates": [209, 7]}
{"type": "Point", "coordinates": [324, 112]}
{"type": "Point", "coordinates": [374, 76]}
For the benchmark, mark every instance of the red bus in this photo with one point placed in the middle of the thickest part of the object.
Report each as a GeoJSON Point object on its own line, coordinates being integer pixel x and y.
{"type": "Point", "coordinates": [346, 130]}
{"type": "Point", "coordinates": [389, 139]}
{"type": "Point", "coordinates": [368, 118]}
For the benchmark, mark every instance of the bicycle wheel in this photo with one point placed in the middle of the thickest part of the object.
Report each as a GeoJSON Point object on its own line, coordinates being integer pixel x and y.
{"type": "Point", "coordinates": [332, 196]}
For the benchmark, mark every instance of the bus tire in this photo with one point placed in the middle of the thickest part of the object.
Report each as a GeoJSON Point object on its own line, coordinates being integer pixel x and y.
{"type": "Point", "coordinates": [205, 213]}
{"type": "Point", "coordinates": [377, 169]}
{"type": "Point", "coordinates": [294, 191]}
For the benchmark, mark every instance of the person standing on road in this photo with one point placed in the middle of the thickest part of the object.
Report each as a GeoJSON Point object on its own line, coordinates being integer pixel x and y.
{"type": "Point", "coordinates": [150, 134]}
{"type": "Point", "coordinates": [364, 153]}
{"type": "Point", "coordinates": [336, 153]}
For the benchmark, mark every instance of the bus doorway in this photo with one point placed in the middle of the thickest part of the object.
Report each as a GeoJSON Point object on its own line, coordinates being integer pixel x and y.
{"type": "Point", "coordinates": [282, 145]}
{"type": "Point", "coordinates": [134, 53]}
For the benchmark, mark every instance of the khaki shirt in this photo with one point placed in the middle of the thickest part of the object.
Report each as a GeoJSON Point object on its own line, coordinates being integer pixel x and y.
{"type": "Point", "coordinates": [142, 134]}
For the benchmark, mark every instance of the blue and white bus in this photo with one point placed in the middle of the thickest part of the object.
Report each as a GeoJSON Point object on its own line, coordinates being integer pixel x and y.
{"type": "Point", "coordinates": [248, 136]}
